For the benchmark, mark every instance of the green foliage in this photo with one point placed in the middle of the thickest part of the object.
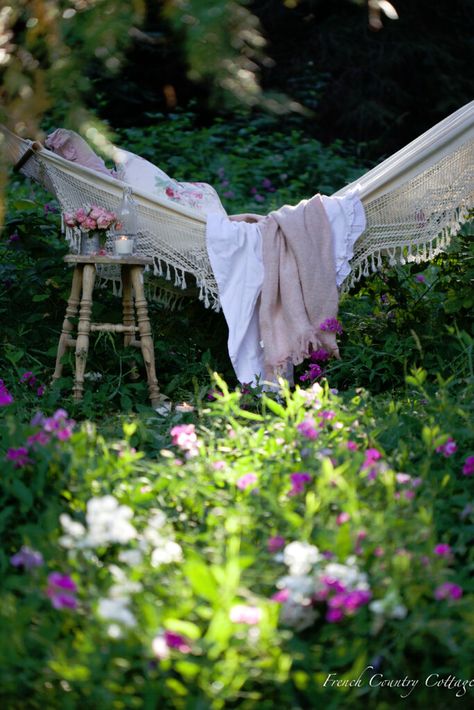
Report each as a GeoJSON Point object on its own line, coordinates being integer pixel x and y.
{"type": "Point", "coordinates": [190, 546]}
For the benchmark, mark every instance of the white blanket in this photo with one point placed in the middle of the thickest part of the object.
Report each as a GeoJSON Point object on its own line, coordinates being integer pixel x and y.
{"type": "Point", "coordinates": [235, 253]}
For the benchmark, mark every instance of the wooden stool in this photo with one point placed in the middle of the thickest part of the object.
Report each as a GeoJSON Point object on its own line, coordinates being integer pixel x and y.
{"type": "Point", "coordinates": [132, 289]}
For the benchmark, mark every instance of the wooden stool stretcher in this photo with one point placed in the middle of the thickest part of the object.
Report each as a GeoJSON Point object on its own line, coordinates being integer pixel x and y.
{"type": "Point", "coordinates": [133, 300]}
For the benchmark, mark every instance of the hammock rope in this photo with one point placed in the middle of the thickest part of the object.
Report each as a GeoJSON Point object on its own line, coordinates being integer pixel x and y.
{"type": "Point", "coordinates": [414, 202]}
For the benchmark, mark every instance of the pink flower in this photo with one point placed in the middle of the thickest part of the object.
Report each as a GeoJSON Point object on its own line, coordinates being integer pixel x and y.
{"type": "Point", "coordinates": [218, 465]}
{"type": "Point", "coordinates": [448, 448]}
{"type": "Point", "coordinates": [370, 463]}
{"type": "Point", "coordinates": [69, 219]}
{"type": "Point", "coordinates": [243, 614]}
{"type": "Point", "coordinates": [275, 543]}
{"type": "Point", "coordinates": [307, 429]}
{"type": "Point", "coordinates": [342, 518]}
{"type": "Point", "coordinates": [448, 590]}
{"type": "Point", "coordinates": [184, 436]}
{"type": "Point", "coordinates": [352, 446]}
{"type": "Point", "coordinates": [403, 478]}
{"type": "Point", "coordinates": [281, 597]}
{"type": "Point", "coordinates": [88, 224]}
{"type": "Point", "coordinates": [61, 590]}
{"type": "Point", "coordinates": [298, 481]}
{"type": "Point", "coordinates": [379, 552]}
{"type": "Point", "coordinates": [443, 550]}
{"type": "Point", "coordinates": [409, 495]}
{"type": "Point", "coordinates": [5, 396]}
{"type": "Point", "coordinates": [18, 456]}
{"type": "Point", "coordinates": [248, 479]}
{"type": "Point", "coordinates": [41, 438]}
{"type": "Point", "coordinates": [468, 468]}
{"type": "Point", "coordinates": [80, 215]}
{"type": "Point", "coordinates": [27, 558]}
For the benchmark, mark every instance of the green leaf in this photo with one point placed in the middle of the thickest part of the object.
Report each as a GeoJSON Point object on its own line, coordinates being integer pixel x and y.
{"type": "Point", "coordinates": [274, 407]}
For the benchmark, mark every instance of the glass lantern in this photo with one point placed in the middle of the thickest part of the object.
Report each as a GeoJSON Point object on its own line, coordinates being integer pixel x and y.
{"type": "Point", "coordinates": [125, 236]}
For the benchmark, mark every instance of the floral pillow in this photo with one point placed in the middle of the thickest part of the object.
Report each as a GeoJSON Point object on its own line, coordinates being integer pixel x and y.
{"type": "Point", "coordinates": [70, 145]}
{"type": "Point", "coordinates": [143, 175]}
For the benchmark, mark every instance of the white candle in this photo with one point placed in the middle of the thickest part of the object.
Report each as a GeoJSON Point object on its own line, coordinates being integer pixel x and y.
{"type": "Point", "coordinates": [123, 246]}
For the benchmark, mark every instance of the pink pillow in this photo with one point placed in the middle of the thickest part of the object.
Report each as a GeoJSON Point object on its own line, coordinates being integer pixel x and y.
{"type": "Point", "coordinates": [71, 146]}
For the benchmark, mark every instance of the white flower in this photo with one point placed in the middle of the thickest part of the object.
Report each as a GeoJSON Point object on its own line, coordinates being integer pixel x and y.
{"type": "Point", "coordinates": [167, 552]}
{"type": "Point", "coordinates": [75, 532]}
{"type": "Point", "coordinates": [160, 647]}
{"type": "Point", "coordinates": [300, 557]}
{"type": "Point", "coordinates": [300, 587]}
{"type": "Point", "coordinates": [116, 610]}
{"type": "Point", "coordinates": [297, 616]}
{"type": "Point", "coordinates": [390, 606]}
{"type": "Point", "coordinates": [130, 557]}
{"type": "Point", "coordinates": [349, 575]}
{"type": "Point", "coordinates": [108, 521]}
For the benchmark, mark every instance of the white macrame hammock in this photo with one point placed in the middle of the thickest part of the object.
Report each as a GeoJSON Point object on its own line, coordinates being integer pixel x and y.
{"type": "Point", "coordinates": [414, 202]}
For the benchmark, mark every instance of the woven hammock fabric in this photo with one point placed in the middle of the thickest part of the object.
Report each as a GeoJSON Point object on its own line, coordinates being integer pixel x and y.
{"type": "Point", "coordinates": [414, 202]}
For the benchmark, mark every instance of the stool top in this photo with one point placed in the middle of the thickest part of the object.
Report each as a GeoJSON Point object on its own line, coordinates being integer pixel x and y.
{"type": "Point", "coordinates": [108, 259]}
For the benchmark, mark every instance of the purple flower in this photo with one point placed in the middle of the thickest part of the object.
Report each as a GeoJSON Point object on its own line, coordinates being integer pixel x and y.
{"type": "Point", "coordinates": [443, 550]}
{"type": "Point", "coordinates": [258, 198]}
{"type": "Point", "coordinates": [468, 468]}
{"type": "Point", "coordinates": [420, 278]}
{"type": "Point", "coordinates": [18, 456]}
{"type": "Point", "coordinates": [14, 237]}
{"type": "Point", "coordinates": [5, 396]}
{"type": "Point", "coordinates": [448, 448]}
{"type": "Point", "coordinates": [174, 640]}
{"type": "Point", "coordinates": [312, 373]}
{"type": "Point", "coordinates": [229, 194]}
{"type": "Point", "coordinates": [320, 355]}
{"type": "Point", "coordinates": [27, 557]}
{"type": "Point", "coordinates": [298, 481]}
{"type": "Point", "coordinates": [61, 590]}
{"type": "Point", "coordinates": [331, 325]}
{"type": "Point", "coordinates": [307, 429]}
{"type": "Point", "coordinates": [275, 543]}
{"type": "Point", "coordinates": [40, 391]}
{"type": "Point", "coordinates": [50, 207]}
{"type": "Point", "coordinates": [448, 590]}
{"type": "Point", "coordinates": [29, 378]}
{"type": "Point", "coordinates": [248, 479]}
{"type": "Point", "coordinates": [352, 446]}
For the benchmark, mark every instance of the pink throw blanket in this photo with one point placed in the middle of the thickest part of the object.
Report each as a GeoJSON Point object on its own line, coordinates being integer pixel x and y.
{"type": "Point", "coordinates": [299, 288]}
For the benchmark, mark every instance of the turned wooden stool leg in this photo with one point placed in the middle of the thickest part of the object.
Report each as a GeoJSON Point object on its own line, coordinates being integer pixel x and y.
{"type": "Point", "coordinates": [83, 329]}
{"type": "Point", "coordinates": [127, 301]}
{"type": "Point", "coordinates": [71, 311]}
{"type": "Point", "coordinates": [146, 340]}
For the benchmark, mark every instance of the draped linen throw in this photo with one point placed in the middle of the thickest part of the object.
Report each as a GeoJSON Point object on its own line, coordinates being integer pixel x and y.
{"type": "Point", "coordinates": [299, 289]}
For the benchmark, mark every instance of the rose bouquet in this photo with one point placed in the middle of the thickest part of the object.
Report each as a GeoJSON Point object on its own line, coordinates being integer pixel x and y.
{"type": "Point", "coordinates": [93, 221]}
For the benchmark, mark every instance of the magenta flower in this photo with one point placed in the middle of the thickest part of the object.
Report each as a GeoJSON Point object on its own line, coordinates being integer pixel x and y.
{"type": "Point", "coordinates": [443, 550]}
{"type": "Point", "coordinates": [409, 495]}
{"type": "Point", "coordinates": [244, 614]}
{"type": "Point", "coordinates": [40, 391]}
{"type": "Point", "coordinates": [468, 468]}
{"type": "Point", "coordinates": [327, 414]}
{"type": "Point", "coordinates": [27, 557]}
{"type": "Point", "coordinates": [333, 616]}
{"type": "Point", "coordinates": [5, 396]}
{"type": "Point", "coordinates": [342, 518]}
{"type": "Point", "coordinates": [298, 481]}
{"type": "Point", "coordinates": [312, 373]}
{"type": "Point", "coordinates": [28, 378]}
{"type": "Point", "coordinates": [275, 543]}
{"type": "Point", "coordinates": [61, 590]}
{"type": "Point", "coordinates": [247, 480]}
{"type": "Point", "coordinates": [41, 438]}
{"type": "Point", "coordinates": [18, 456]}
{"type": "Point", "coordinates": [307, 429]}
{"type": "Point", "coordinates": [448, 448]}
{"type": "Point", "coordinates": [448, 590]}
{"type": "Point", "coordinates": [352, 446]}
{"type": "Point", "coordinates": [331, 325]}
{"type": "Point", "coordinates": [174, 640]}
